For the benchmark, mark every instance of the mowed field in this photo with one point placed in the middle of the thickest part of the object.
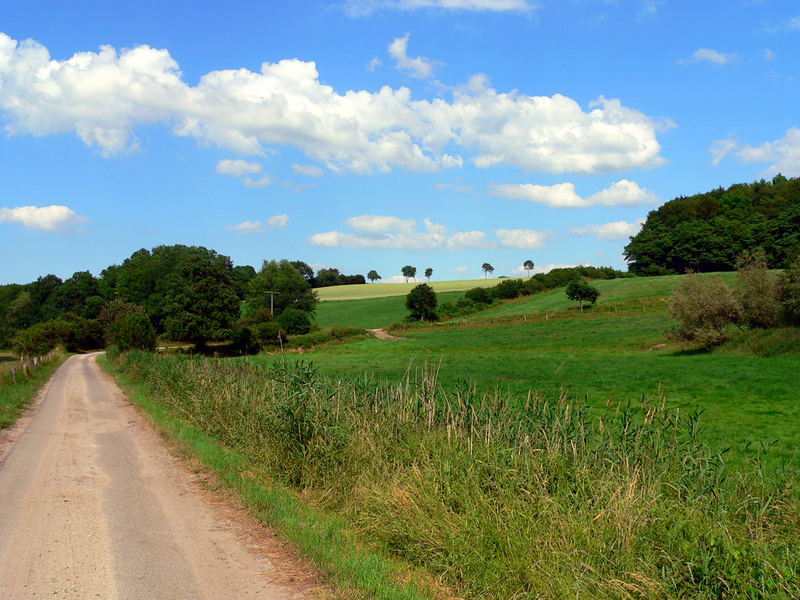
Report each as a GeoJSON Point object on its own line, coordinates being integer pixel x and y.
{"type": "Point", "coordinates": [617, 353]}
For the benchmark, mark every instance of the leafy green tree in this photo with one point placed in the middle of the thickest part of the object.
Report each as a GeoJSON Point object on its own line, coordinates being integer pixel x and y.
{"type": "Point", "coordinates": [201, 301]}
{"type": "Point", "coordinates": [421, 301]}
{"type": "Point", "coordinates": [242, 275]}
{"type": "Point", "coordinates": [757, 290]}
{"type": "Point", "coordinates": [428, 273]}
{"type": "Point", "coordinates": [409, 272]}
{"type": "Point", "coordinates": [704, 307]}
{"type": "Point", "coordinates": [305, 270]}
{"type": "Point", "coordinates": [581, 291]}
{"type": "Point", "coordinates": [478, 295]}
{"type": "Point", "coordinates": [373, 276]}
{"type": "Point", "coordinates": [528, 266]}
{"type": "Point", "coordinates": [328, 277]}
{"type": "Point", "coordinates": [133, 331]}
{"type": "Point", "coordinates": [293, 289]}
{"type": "Point", "coordinates": [45, 336]}
{"type": "Point", "coordinates": [486, 268]}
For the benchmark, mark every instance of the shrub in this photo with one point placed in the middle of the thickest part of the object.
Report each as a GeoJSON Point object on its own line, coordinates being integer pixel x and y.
{"type": "Point", "coordinates": [245, 340]}
{"type": "Point", "coordinates": [268, 333]}
{"type": "Point", "coordinates": [478, 295]}
{"type": "Point", "coordinates": [294, 321]}
{"type": "Point", "coordinates": [133, 332]}
{"type": "Point", "coordinates": [508, 289]}
{"type": "Point", "coordinates": [790, 292]}
{"type": "Point", "coordinates": [757, 290]}
{"type": "Point", "coordinates": [421, 301]}
{"type": "Point", "coordinates": [703, 306]}
{"type": "Point", "coordinates": [43, 337]}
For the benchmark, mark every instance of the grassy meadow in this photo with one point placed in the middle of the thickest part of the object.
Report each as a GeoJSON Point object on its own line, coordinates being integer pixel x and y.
{"type": "Point", "coordinates": [382, 290]}
{"type": "Point", "coordinates": [15, 396]}
{"type": "Point", "coordinates": [530, 450]}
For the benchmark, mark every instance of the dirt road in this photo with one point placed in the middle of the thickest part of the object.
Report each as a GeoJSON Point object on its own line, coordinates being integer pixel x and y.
{"type": "Point", "coordinates": [93, 506]}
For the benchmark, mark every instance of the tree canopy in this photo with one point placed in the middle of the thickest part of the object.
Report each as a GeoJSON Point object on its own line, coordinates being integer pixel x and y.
{"type": "Point", "coordinates": [421, 302]}
{"type": "Point", "coordinates": [706, 232]}
{"type": "Point", "coordinates": [283, 277]}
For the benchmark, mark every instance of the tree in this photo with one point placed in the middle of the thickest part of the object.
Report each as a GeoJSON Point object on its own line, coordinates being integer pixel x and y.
{"type": "Point", "coordinates": [133, 331]}
{"type": "Point", "coordinates": [409, 271]}
{"type": "Point", "coordinates": [282, 277]}
{"type": "Point", "coordinates": [428, 273]}
{"type": "Point", "coordinates": [580, 291]}
{"type": "Point", "coordinates": [294, 321]}
{"type": "Point", "coordinates": [201, 302]}
{"type": "Point", "coordinates": [790, 292]}
{"type": "Point", "coordinates": [757, 290]}
{"type": "Point", "coordinates": [487, 268]}
{"type": "Point", "coordinates": [528, 266]}
{"type": "Point", "coordinates": [704, 307]}
{"type": "Point", "coordinates": [373, 276]}
{"type": "Point", "coordinates": [421, 301]}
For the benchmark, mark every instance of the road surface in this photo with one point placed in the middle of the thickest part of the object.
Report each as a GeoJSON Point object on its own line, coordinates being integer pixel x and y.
{"type": "Point", "coordinates": [93, 506]}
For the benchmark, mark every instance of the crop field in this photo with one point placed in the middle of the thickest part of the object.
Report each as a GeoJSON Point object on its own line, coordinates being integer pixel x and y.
{"type": "Point", "coordinates": [382, 290]}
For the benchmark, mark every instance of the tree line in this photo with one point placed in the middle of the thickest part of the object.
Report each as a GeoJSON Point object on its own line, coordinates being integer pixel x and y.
{"type": "Point", "coordinates": [707, 232]}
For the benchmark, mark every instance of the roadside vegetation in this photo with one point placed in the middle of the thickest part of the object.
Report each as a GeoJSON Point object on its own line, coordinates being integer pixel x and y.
{"type": "Point", "coordinates": [17, 390]}
{"type": "Point", "coordinates": [497, 494]}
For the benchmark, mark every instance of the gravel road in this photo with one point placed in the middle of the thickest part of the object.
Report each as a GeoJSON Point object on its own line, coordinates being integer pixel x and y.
{"type": "Point", "coordinates": [92, 505]}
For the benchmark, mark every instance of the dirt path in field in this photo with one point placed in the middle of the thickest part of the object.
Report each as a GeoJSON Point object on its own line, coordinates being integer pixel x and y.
{"type": "Point", "coordinates": [382, 334]}
{"type": "Point", "coordinates": [92, 505]}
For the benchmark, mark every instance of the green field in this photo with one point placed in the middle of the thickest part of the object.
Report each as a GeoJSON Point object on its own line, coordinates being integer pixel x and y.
{"type": "Point", "coordinates": [602, 355]}
{"type": "Point", "coordinates": [382, 290]}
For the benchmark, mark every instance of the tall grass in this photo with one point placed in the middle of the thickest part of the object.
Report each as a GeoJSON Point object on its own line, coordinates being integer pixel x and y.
{"type": "Point", "coordinates": [500, 495]}
{"type": "Point", "coordinates": [16, 394]}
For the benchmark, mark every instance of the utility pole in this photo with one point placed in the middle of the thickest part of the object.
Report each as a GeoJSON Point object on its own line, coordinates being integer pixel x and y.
{"type": "Point", "coordinates": [272, 302]}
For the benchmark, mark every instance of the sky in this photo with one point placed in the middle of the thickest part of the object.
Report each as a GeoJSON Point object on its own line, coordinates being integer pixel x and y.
{"type": "Point", "coordinates": [372, 134]}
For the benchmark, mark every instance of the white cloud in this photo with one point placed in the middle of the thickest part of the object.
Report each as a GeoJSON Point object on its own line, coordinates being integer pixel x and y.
{"type": "Point", "coordinates": [708, 55]}
{"type": "Point", "coordinates": [257, 183]}
{"type": "Point", "coordinates": [468, 239]}
{"type": "Point", "coordinates": [374, 64]}
{"type": "Point", "coordinates": [618, 230]}
{"type": "Point", "coordinates": [307, 170]}
{"type": "Point", "coordinates": [522, 238]}
{"type": "Point", "coordinates": [455, 188]}
{"type": "Point", "coordinates": [237, 168]}
{"type": "Point", "coordinates": [55, 217]}
{"type": "Point", "coordinates": [104, 96]}
{"type": "Point", "coordinates": [251, 227]}
{"type": "Point", "coordinates": [462, 270]}
{"type": "Point", "coordinates": [563, 195]}
{"type": "Point", "coordinates": [247, 227]}
{"type": "Point", "coordinates": [360, 8]}
{"type": "Point", "coordinates": [278, 221]}
{"type": "Point", "coordinates": [418, 67]}
{"type": "Point", "coordinates": [783, 153]}
{"type": "Point", "coordinates": [768, 54]}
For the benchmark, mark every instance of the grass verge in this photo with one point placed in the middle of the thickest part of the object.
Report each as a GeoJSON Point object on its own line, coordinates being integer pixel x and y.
{"type": "Point", "coordinates": [14, 397]}
{"type": "Point", "coordinates": [494, 494]}
{"type": "Point", "coordinates": [354, 570]}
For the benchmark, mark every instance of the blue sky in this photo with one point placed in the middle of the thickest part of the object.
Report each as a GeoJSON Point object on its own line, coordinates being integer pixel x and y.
{"type": "Point", "coordinates": [370, 134]}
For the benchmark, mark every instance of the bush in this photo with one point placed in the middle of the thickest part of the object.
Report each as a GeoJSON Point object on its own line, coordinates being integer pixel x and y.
{"type": "Point", "coordinates": [294, 321]}
{"type": "Point", "coordinates": [704, 307]}
{"type": "Point", "coordinates": [421, 301]}
{"type": "Point", "coordinates": [757, 290]}
{"type": "Point", "coordinates": [43, 337]}
{"type": "Point", "coordinates": [508, 289]}
{"type": "Point", "coordinates": [133, 332]}
{"type": "Point", "coordinates": [478, 295]}
{"type": "Point", "coordinates": [268, 333]}
{"type": "Point", "coordinates": [790, 292]}
{"type": "Point", "coordinates": [245, 341]}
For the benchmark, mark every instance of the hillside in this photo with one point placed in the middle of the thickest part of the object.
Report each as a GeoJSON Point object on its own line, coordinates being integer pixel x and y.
{"type": "Point", "coordinates": [706, 232]}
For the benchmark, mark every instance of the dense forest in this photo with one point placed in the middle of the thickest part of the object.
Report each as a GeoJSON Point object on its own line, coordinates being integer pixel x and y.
{"type": "Point", "coordinates": [706, 232]}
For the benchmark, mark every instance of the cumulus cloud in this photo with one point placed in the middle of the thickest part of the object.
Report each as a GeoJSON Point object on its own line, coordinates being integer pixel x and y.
{"type": "Point", "coordinates": [55, 217]}
{"type": "Point", "coordinates": [103, 96]}
{"type": "Point", "coordinates": [563, 195]}
{"type": "Point", "coordinates": [522, 238]}
{"type": "Point", "coordinates": [418, 67]}
{"type": "Point", "coordinates": [618, 230]}
{"type": "Point", "coordinates": [783, 153]}
{"type": "Point", "coordinates": [468, 239]}
{"type": "Point", "coordinates": [237, 168]}
{"type": "Point", "coordinates": [251, 227]}
{"type": "Point", "coordinates": [375, 231]}
{"type": "Point", "coordinates": [462, 270]}
{"type": "Point", "coordinates": [360, 8]}
{"type": "Point", "coordinates": [708, 55]}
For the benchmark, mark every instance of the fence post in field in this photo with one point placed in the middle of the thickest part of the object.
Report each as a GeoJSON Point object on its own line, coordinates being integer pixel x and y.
{"type": "Point", "coordinates": [14, 374]}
